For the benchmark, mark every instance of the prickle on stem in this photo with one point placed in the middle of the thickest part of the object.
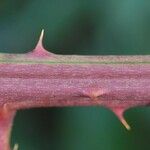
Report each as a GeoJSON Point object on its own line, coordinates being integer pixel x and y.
{"type": "Point", "coordinates": [39, 49]}
{"type": "Point", "coordinates": [119, 113]}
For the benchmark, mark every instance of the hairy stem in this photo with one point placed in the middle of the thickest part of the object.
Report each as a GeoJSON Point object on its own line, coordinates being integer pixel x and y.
{"type": "Point", "coordinates": [43, 79]}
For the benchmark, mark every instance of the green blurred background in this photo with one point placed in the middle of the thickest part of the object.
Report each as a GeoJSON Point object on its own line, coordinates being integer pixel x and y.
{"type": "Point", "coordinates": [88, 27]}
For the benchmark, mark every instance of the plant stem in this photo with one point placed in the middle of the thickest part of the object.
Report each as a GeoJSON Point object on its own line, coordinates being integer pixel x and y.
{"type": "Point", "coordinates": [6, 120]}
{"type": "Point", "coordinates": [43, 79]}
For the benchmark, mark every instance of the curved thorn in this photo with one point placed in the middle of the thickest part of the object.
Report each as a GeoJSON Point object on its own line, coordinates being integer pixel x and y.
{"type": "Point", "coordinates": [119, 113]}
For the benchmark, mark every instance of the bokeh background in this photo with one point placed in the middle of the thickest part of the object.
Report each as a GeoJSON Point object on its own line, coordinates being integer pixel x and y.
{"type": "Point", "coordinates": [89, 27]}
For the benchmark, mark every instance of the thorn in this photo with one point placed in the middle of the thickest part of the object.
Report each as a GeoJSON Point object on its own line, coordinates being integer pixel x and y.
{"type": "Point", "coordinates": [119, 113]}
{"type": "Point", "coordinates": [16, 146]}
{"type": "Point", "coordinates": [40, 42]}
{"type": "Point", "coordinates": [39, 50]}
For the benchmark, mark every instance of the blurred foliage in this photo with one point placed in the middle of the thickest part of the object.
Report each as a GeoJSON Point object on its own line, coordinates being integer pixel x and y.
{"type": "Point", "coordinates": [78, 27]}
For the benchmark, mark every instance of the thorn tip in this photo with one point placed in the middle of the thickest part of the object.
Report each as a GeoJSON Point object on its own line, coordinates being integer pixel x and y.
{"type": "Point", "coordinates": [123, 121]}
{"type": "Point", "coordinates": [16, 146]}
{"type": "Point", "coordinates": [119, 113]}
{"type": "Point", "coordinates": [40, 42]}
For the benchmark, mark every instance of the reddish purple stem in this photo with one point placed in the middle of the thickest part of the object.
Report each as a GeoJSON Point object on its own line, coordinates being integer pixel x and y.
{"type": "Point", "coordinates": [43, 79]}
